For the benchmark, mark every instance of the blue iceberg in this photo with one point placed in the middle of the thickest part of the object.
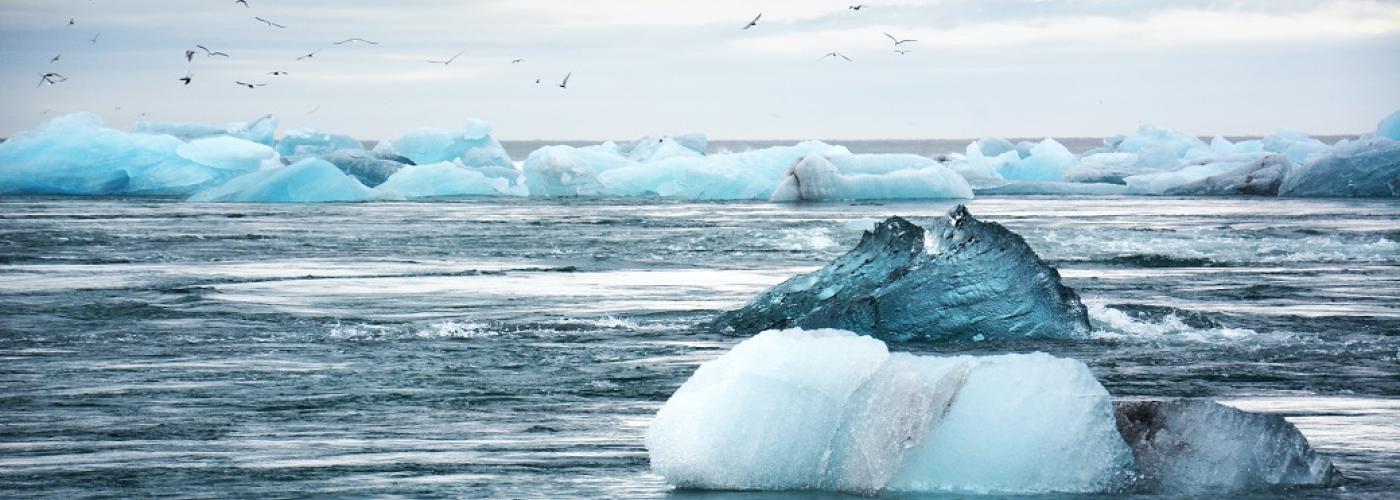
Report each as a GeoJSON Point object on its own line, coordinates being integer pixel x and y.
{"type": "Point", "coordinates": [308, 181]}
{"type": "Point", "coordinates": [817, 178]}
{"type": "Point", "coordinates": [262, 131]}
{"type": "Point", "coordinates": [960, 280]}
{"type": "Point", "coordinates": [443, 179]}
{"type": "Point", "coordinates": [312, 142]}
{"type": "Point", "coordinates": [1367, 168]}
{"type": "Point", "coordinates": [472, 145]}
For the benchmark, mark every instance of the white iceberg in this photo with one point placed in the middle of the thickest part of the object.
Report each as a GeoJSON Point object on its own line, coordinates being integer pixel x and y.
{"type": "Point", "coordinates": [828, 409]}
{"type": "Point", "coordinates": [816, 178]}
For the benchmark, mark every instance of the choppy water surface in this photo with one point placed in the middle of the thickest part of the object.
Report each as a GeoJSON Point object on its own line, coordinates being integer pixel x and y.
{"type": "Point", "coordinates": [519, 348]}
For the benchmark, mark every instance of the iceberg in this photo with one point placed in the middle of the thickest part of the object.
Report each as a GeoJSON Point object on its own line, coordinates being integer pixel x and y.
{"type": "Point", "coordinates": [816, 178]}
{"type": "Point", "coordinates": [262, 131]}
{"type": "Point", "coordinates": [442, 179]}
{"type": "Point", "coordinates": [832, 410]}
{"type": "Point", "coordinates": [1056, 188]}
{"type": "Point", "coordinates": [1108, 168]}
{"type": "Point", "coordinates": [961, 280]}
{"type": "Point", "coordinates": [653, 149]}
{"type": "Point", "coordinates": [750, 175]}
{"type": "Point", "coordinates": [473, 146]}
{"type": "Point", "coordinates": [1389, 128]}
{"type": "Point", "coordinates": [77, 155]}
{"type": "Point", "coordinates": [312, 142]}
{"type": "Point", "coordinates": [1191, 447]}
{"type": "Point", "coordinates": [1368, 168]}
{"type": "Point", "coordinates": [1258, 174]}
{"type": "Point", "coordinates": [1045, 161]}
{"type": "Point", "coordinates": [308, 181]}
{"type": "Point", "coordinates": [229, 154]}
{"type": "Point", "coordinates": [368, 168]}
{"type": "Point", "coordinates": [565, 171]}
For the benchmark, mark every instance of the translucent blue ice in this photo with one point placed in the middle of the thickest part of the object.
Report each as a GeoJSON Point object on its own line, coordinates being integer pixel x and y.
{"type": "Point", "coordinates": [312, 142]}
{"type": "Point", "coordinates": [442, 179]}
{"type": "Point", "coordinates": [308, 181]}
{"type": "Point", "coordinates": [262, 131]}
{"type": "Point", "coordinates": [816, 178]}
{"type": "Point", "coordinates": [472, 145]}
{"type": "Point", "coordinates": [1389, 128]}
{"type": "Point", "coordinates": [1363, 168]}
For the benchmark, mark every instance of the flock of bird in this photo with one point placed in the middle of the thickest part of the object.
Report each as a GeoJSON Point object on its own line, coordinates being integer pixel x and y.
{"type": "Point", "coordinates": [53, 78]}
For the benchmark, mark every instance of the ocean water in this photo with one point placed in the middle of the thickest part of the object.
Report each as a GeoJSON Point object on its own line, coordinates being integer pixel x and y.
{"type": "Point", "coordinates": [518, 348]}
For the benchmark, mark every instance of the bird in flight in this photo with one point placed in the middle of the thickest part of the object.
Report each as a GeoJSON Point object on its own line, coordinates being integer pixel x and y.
{"type": "Point", "coordinates": [899, 41]}
{"type": "Point", "coordinates": [94, 38]}
{"type": "Point", "coordinates": [314, 110]}
{"type": "Point", "coordinates": [277, 73]}
{"type": "Point", "coordinates": [361, 40]}
{"type": "Point", "coordinates": [187, 78]}
{"type": "Point", "coordinates": [244, 2]}
{"type": "Point", "coordinates": [309, 56]}
{"type": "Point", "coordinates": [448, 61]}
{"type": "Point", "coordinates": [902, 52]}
{"type": "Point", "coordinates": [269, 23]}
{"type": "Point", "coordinates": [189, 56]}
{"type": "Point", "coordinates": [754, 22]}
{"type": "Point", "coordinates": [51, 78]}
{"type": "Point", "coordinates": [211, 53]}
{"type": "Point", "coordinates": [517, 61]}
{"type": "Point", "coordinates": [70, 21]}
{"type": "Point", "coordinates": [565, 83]}
{"type": "Point", "coordinates": [55, 58]}
{"type": "Point", "coordinates": [857, 7]}
{"type": "Point", "coordinates": [251, 85]}
{"type": "Point", "coordinates": [835, 54]}
{"type": "Point", "coordinates": [537, 80]}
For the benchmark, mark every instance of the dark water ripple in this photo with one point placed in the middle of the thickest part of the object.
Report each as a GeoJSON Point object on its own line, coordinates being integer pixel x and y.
{"type": "Point", "coordinates": [519, 348]}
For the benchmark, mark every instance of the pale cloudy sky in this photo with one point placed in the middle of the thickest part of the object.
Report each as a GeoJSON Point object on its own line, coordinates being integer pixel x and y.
{"type": "Point", "coordinates": [981, 67]}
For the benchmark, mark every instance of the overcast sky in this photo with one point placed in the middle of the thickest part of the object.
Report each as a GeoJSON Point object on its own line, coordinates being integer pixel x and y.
{"type": "Point", "coordinates": [1017, 68]}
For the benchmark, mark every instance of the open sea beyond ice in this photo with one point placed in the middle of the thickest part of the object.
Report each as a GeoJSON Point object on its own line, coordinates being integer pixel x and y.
{"type": "Point", "coordinates": [519, 347]}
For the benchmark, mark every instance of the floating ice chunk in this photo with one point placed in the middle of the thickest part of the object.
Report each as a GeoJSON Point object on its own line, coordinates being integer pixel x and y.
{"type": "Point", "coordinates": [473, 146]}
{"type": "Point", "coordinates": [816, 179]}
{"type": "Point", "coordinates": [1365, 168]}
{"type": "Point", "coordinates": [1056, 188]}
{"type": "Point", "coordinates": [1189, 447]}
{"type": "Point", "coordinates": [735, 176]}
{"type": "Point", "coordinates": [308, 181]}
{"type": "Point", "coordinates": [312, 142]}
{"type": "Point", "coordinates": [553, 171]}
{"type": "Point", "coordinates": [652, 149]}
{"type": "Point", "coordinates": [1389, 128]}
{"type": "Point", "coordinates": [1228, 170]}
{"type": "Point", "coordinates": [1166, 139]}
{"type": "Point", "coordinates": [828, 409]}
{"type": "Point", "coordinates": [1046, 161]}
{"type": "Point", "coordinates": [368, 168]}
{"type": "Point", "coordinates": [76, 155]}
{"type": "Point", "coordinates": [233, 155]}
{"type": "Point", "coordinates": [442, 179]}
{"type": "Point", "coordinates": [1258, 174]}
{"type": "Point", "coordinates": [961, 278]}
{"type": "Point", "coordinates": [262, 131]}
{"type": "Point", "coordinates": [695, 142]}
{"type": "Point", "coordinates": [994, 146]}
{"type": "Point", "coordinates": [879, 163]}
{"type": "Point", "coordinates": [1106, 168]}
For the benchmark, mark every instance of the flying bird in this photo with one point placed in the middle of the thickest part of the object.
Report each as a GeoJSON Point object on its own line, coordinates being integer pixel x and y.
{"type": "Point", "coordinates": [517, 61]}
{"type": "Point", "coordinates": [899, 41]}
{"type": "Point", "coordinates": [269, 23]}
{"type": "Point", "coordinates": [565, 84]}
{"type": "Point", "coordinates": [902, 52]}
{"type": "Point", "coordinates": [187, 78]}
{"type": "Point", "coordinates": [51, 78]}
{"type": "Point", "coordinates": [361, 40]}
{"type": "Point", "coordinates": [55, 59]}
{"type": "Point", "coordinates": [448, 61]}
{"type": "Point", "coordinates": [277, 73]}
{"type": "Point", "coordinates": [189, 56]}
{"type": "Point", "coordinates": [537, 80]}
{"type": "Point", "coordinates": [835, 54]}
{"type": "Point", "coordinates": [309, 56]}
{"type": "Point", "coordinates": [94, 38]}
{"type": "Point", "coordinates": [314, 110]}
{"type": "Point", "coordinates": [70, 21]}
{"type": "Point", "coordinates": [244, 2]}
{"type": "Point", "coordinates": [251, 85]}
{"type": "Point", "coordinates": [211, 53]}
{"type": "Point", "coordinates": [857, 7]}
{"type": "Point", "coordinates": [754, 22]}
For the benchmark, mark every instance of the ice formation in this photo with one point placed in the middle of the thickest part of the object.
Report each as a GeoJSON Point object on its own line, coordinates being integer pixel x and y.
{"type": "Point", "coordinates": [1389, 128]}
{"type": "Point", "coordinates": [312, 142]}
{"type": "Point", "coordinates": [1197, 447]}
{"type": "Point", "coordinates": [962, 279]}
{"type": "Point", "coordinates": [473, 146]}
{"type": "Point", "coordinates": [442, 179]}
{"type": "Point", "coordinates": [816, 178]}
{"type": "Point", "coordinates": [1257, 174]}
{"type": "Point", "coordinates": [368, 168]}
{"type": "Point", "coordinates": [262, 131]}
{"type": "Point", "coordinates": [77, 155]}
{"type": "Point", "coordinates": [309, 180]}
{"type": "Point", "coordinates": [1364, 168]}
{"type": "Point", "coordinates": [827, 409]}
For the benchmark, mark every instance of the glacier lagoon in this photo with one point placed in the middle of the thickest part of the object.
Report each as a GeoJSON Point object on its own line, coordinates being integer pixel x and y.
{"type": "Point", "coordinates": [522, 347]}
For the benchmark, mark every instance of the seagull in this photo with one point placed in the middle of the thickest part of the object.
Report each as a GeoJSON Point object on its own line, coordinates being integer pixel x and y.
{"type": "Point", "coordinates": [898, 41]}
{"type": "Point", "coordinates": [565, 84]}
{"type": "Point", "coordinates": [448, 61]}
{"type": "Point", "coordinates": [857, 7]}
{"type": "Point", "coordinates": [835, 54]}
{"type": "Point", "coordinates": [244, 2]}
{"type": "Point", "coordinates": [309, 56]}
{"type": "Point", "coordinates": [277, 73]}
{"type": "Point", "coordinates": [94, 38]}
{"type": "Point", "coordinates": [902, 52]}
{"type": "Point", "coordinates": [361, 40]}
{"type": "Point", "coordinates": [269, 23]}
{"type": "Point", "coordinates": [537, 80]}
{"type": "Point", "coordinates": [754, 22]}
{"type": "Point", "coordinates": [251, 85]}
{"type": "Point", "coordinates": [517, 61]}
{"type": "Point", "coordinates": [189, 56]}
{"type": "Point", "coordinates": [314, 110]}
{"type": "Point", "coordinates": [51, 78]}
{"type": "Point", "coordinates": [188, 77]}
{"type": "Point", "coordinates": [70, 21]}
{"type": "Point", "coordinates": [210, 53]}
{"type": "Point", "coordinates": [55, 59]}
